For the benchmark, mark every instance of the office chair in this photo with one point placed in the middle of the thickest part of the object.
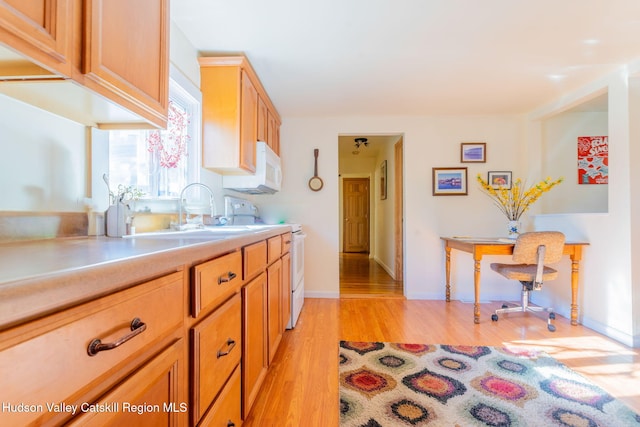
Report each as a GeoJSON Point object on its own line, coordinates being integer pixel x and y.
{"type": "Point", "coordinates": [530, 254]}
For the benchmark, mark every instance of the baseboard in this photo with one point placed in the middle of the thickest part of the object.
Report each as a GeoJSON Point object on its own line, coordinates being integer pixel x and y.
{"type": "Point", "coordinates": [391, 272]}
{"type": "Point", "coordinates": [321, 294]}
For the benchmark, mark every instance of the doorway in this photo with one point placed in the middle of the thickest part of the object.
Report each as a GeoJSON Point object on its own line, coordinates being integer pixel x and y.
{"type": "Point", "coordinates": [371, 215]}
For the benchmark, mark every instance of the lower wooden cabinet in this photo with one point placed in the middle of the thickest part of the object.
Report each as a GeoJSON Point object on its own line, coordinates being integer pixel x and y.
{"type": "Point", "coordinates": [274, 303]}
{"type": "Point", "coordinates": [255, 361]}
{"type": "Point", "coordinates": [151, 397]}
{"type": "Point", "coordinates": [77, 355]}
{"type": "Point", "coordinates": [216, 350]}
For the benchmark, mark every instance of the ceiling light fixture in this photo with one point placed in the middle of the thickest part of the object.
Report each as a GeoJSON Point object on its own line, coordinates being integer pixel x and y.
{"type": "Point", "coordinates": [361, 141]}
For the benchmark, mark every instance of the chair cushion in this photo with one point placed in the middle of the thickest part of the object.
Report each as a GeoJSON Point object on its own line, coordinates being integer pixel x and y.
{"type": "Point", "coordinates": [523, 272]}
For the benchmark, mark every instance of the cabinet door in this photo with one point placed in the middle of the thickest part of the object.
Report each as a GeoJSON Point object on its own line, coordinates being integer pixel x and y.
{"type": "Point", "coordinates": [262, 121]}
{"type": "Point", "coordinates": [274, 298]}
{"type": "Point", "coordinates": [216, 352]}
{"type": "Point", "coordinates": [286, 290]}
{"type": "Point", "coordinates": [154, 396]}
{"type": "Point", "coordinates": [41, 30]}
{"type": "Point", "coordinates": [273, 133]}
{"type": "Point", "coordinates": [127, 53]}
{"type": "Point", "coordinates": [255, 358]}
{"type": "Point", "coordinates": [248, 124]}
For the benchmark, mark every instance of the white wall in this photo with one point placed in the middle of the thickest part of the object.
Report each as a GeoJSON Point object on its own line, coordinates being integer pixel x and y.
{"type": "Point", "coordinates": [428, 142]}
{"type": "Point", "coordinates": [559, 158]}
{"type": "Point", "coordinates": [609, 283]}
{"type": "Point", "coordinates": [384, 213]}
{"type": "Point", "coordinates": [43, 163]}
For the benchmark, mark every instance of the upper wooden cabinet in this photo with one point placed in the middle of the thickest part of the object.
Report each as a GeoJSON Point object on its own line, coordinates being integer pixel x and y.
{"type": "Point", "coordinates": [41, 29]}
{"type": "Point", "coordinates": [118, 49]}
{"type": "Point", "coordinates": [235, 114]}
{"type": "Point", "coordinates": [126, 54]}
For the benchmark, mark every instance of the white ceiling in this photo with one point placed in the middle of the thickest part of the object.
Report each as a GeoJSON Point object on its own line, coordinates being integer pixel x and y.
{"type": "Point", "coordinates": [417, 57]}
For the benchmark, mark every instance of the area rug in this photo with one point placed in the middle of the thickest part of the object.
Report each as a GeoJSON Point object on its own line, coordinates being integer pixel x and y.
{"type": "Point", "coordinates": [390, 384]}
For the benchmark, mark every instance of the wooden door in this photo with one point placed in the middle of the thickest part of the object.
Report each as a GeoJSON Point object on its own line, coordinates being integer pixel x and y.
{"type": "Point", "coordinates": [356, 214]}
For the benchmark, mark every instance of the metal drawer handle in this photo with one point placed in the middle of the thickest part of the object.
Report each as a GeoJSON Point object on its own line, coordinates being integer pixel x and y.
{"type": "Point", "coordinates": [231, 424]}
{"type": "Point", "coordinates": [96, 346]}
{"type": "Point", "coordinates": [227, 278]}
{"type": "Point", "coordinates": [230, 343]}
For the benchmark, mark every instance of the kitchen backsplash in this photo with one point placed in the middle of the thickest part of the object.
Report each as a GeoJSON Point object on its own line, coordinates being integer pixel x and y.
{"type": "Point", "coordinates": [23, 226]}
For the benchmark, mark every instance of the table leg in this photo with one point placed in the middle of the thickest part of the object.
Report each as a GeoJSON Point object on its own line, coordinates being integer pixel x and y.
{"type": "Point", "coordinates": [447, 252]}
{"type": "Point", "coordinates": [575, 269]}
{"type": "Point", "coordinates": [476, 286]}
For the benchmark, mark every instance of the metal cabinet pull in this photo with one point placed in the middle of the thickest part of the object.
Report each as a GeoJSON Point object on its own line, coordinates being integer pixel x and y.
{"type": "Point", "coordinates": [226, 278]}
{"type": "Point", "coordinates": [231, 424]}
{"type": "Point", "coordinates": [230, 344]}
{"type": "Point", "coordinates": [96, 346]}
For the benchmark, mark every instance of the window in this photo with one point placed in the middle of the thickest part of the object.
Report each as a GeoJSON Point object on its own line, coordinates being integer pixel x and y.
{"type": "Point", "coordinates": [160, 163]}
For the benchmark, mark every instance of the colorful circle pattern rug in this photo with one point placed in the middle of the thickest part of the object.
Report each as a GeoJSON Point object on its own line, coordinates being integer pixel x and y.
{"type": "Point", "coordinates": [390, 384]}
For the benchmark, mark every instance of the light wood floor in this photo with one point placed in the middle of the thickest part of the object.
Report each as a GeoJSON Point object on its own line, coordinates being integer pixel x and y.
{"type": "Point", "coordinates": [301, 388]}
{"type": "Point", "coordinates": [361, 276]}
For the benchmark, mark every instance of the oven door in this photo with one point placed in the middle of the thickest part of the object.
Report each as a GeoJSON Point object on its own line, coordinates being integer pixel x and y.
{"type": "Point", "coordinates": [297, 259]}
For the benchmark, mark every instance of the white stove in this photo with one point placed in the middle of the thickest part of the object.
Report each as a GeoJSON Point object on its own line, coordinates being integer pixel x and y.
{"type": "Point", "coordinates": [239, 212]}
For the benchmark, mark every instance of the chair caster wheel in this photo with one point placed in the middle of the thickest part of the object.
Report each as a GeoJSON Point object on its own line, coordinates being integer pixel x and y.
{"type": "Point", "coordinates": [552, 316]}
{"type": "Point", "coordinates": [505, 306]}
{"type": "Point", "coordinates": [552, 328]}
{"type": "Point", "coordinates": [494, 317]}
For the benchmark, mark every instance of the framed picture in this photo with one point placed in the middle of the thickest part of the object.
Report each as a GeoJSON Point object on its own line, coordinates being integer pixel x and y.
{"type": "Point", "coordinates": [449, 181]}
{"type": "Point", "coordinates": [473, 152]}
{"type": "Point", "coordinates": [499, 179]}
{"type": "Point", "coordinates": [383, 180]}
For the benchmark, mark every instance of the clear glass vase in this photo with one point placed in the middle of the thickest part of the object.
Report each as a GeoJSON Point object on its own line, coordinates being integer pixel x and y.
{"type": "Point", "coordinates": [513, 229]}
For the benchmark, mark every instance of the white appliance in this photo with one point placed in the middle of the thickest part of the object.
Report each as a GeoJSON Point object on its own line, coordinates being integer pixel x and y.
{"type": "Point", "coordinates": [266, 180]}
{"type": "Point", "coordinates": [242, 212]}
{"type": "Point", "coordinates": [297, 273]}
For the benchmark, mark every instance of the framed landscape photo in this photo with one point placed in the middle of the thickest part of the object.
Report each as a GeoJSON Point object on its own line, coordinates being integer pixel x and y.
{"type": "Point", "coordinates": [449, 181]}
{"type": "Point", "coordinates": [499, 179]}
{"type": "Point", "coordinates": [473, 152]}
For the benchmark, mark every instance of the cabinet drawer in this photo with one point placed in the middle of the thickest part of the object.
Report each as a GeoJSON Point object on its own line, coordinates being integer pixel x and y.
{"type": "Point", "coordinates": [151, 397]}
{"type": "Point", "coordinates": [274, 250]}
{"type": "Point", "coordinates": [214, 281]}
{"type": "Point", "coordinates": [54, 364]}
{"type": "Point", "coordinates": [217, 345]}
{"type": "Point", "coordinates": [255, 259]}
{"type": "Point", "coordinates": [226, 411]}
{"type": "Point", "coordinates": [286, 242]}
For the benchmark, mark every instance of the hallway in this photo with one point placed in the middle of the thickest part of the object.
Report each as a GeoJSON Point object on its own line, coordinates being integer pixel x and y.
{"type": "Point", "coordinates": [363, 277]}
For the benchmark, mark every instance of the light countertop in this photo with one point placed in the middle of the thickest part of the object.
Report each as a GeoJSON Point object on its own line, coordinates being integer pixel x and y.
{"type": "Point", "coordinates": [41, 277]}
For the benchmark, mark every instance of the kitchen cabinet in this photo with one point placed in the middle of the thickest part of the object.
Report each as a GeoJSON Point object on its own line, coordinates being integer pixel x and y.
{"type": "Point", "coordinates": [216, 352]}
{"type": "Point", "coordinates": [235, 114]}
{"type": "Point", "coordinates": [113, 56]}
{"type": "Point", "coordinates": [77, 355]}
{"type": "Point", "coordinates": [148, 398]}
{"type": "Point", "coordinates": [255, 359]}
{"type": "Point", "coordinates": [126, 54]}
{"type": "Point", "coordinates": [273, 132]}
{"type": "Point", "coordinates": [215, 281]}
{"type": "Point", "coordinates": [274, 310]}
{"type": "Point", "coordinates": [42, 30]}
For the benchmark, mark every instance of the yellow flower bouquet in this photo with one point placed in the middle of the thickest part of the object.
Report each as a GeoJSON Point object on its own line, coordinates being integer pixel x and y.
{"type": "Point", "coordinates": [514, 201]}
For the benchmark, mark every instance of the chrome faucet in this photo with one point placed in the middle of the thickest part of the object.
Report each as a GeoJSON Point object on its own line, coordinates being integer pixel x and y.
{"type": "Point", "coordinates": [212, 202]}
